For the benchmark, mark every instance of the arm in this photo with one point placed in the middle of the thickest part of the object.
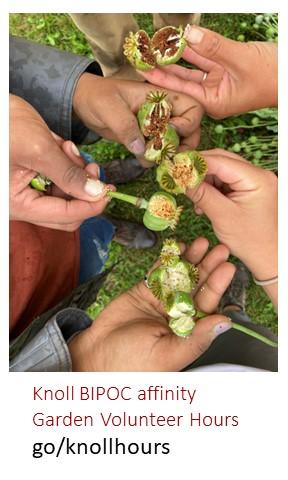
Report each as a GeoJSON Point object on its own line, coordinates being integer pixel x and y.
{"type": "Point", "coordinates": [46, 78]}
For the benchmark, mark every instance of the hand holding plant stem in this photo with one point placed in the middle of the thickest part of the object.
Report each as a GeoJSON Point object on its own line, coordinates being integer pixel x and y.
{"type": "Point", "coordinates": [173, 283]}
{"type": "Point", "coordinates": [132, 332]}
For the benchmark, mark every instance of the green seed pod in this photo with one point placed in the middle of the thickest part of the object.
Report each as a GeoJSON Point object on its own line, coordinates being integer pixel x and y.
{"type": "Point", "coordinates": [186, 170]}
{"type": "Point", "coordinates": [182, 277]}
{"type": "Point", "coordinates": [167, 45]}
{"type": "Point", "coordinates": [137, 49]}
{"type": "Point", "coordinates": [179, 304]}
{"type": "Point", "coordinates": [154, 114]}
{"type": "Point", "coordinates": [182, 326]}
{"type": "Point", "coordinates": [162, 212]}
{"type": "Point", "coordinates": [40, 183]}
{"type": "Point", "coordinates": [170, 252]}
{"type": "Point", "coordinates": [155, 283]}
{"type": "Point", "coordinates": [163, 146]}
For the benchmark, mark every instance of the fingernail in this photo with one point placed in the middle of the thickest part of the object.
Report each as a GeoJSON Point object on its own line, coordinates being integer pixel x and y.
{"type": "Point", "coordinates": [94, 187]}
{"type": "Point", "coordinates": [193, 35]}
{"type": "Point", "coordinates": [137, 147]}
{"type": "Point", "coordinates": [221, 328]}
{"type": "Point", "coordinates": [75, 149]}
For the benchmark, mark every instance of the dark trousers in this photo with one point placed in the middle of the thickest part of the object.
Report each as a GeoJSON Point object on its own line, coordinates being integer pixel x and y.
{"type": "Point", "coordinates": [240, 349]}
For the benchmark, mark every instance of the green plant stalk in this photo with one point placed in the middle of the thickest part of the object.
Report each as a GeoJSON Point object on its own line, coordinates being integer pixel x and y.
{"type": "Point", "coordinates": [137, 201]}
{"type": "Point", "coordinates": [243, 329]}
{"type": "Point", "coordinates": [251, 333]}
{"type": "Point", "coordinates": [249, 126]}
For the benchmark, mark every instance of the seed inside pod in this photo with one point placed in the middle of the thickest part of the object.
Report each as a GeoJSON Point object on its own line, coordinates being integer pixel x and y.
{"type": "Point", "coordinates": [168, 44]}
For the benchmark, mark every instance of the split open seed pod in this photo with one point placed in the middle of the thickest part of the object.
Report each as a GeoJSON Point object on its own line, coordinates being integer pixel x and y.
{"type": "Point", "coordinates": [182, 326]}
{"type": "Point", "coordinates": [170, 252]}
{"type": "Point", "coordinates": [186, 170]}
{"type": "Point", "coordinates": [167, 45]}
{"type": "Point", "coordinates": [166, 280]}
{"type": "Point", "coordinates": [162, 212]}
{"type": "Point", "coordinates": [137, 49]}
{"type": "Point", "coordinates": [179, 304]}
{"type": "Point", "coordinates": [154, 114]}
{"type": "Point", "coordinates": [163, 146]}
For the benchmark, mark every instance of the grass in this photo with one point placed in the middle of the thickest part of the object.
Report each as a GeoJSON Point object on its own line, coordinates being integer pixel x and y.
{"type": "Point", "coordinates": [58, 30]}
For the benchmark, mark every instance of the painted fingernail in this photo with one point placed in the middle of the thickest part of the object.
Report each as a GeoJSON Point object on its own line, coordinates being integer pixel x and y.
{"type": "Point", "coordinates": [94, 188]}
{"type": "Point", "coordinates": [193, 35]}
{"type": "Point", "coordinates": [75, 149]}
{"type": "Point", "coordinates": [137, 147]}
{"type": "Point", "coordinates": [221, 328]}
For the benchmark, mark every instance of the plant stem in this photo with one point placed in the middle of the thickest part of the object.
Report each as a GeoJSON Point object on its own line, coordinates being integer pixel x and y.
{"type": "Point", "coordinates": [137, 201]}
{"type": "Point", "coordinates": [250, 332]}
{"type": "Point", "coordinates": [243, 329]}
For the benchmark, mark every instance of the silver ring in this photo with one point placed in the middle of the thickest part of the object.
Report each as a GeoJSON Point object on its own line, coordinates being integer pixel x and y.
{"type": "Point", "coordinates": [204, 76]}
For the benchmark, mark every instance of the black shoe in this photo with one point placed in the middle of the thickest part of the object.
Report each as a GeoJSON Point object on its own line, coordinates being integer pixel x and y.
{"type": "Point", "coordinates": [123, 171]}
{"type": "Point", "coordinates": [132, 235]}
{"type": "Point", "coordinates": [235, 295]}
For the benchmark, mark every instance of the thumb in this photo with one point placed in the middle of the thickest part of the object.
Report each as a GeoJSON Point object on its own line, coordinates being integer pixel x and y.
{"type": "Point", "coordinates": [68, 174]}
{"type": "Point", "coordinates": [211, 45]}
{"type": "Point", "coordinates": [124, 124]}
{"type": "Point", "coordinates": [184, 351]}
{"type": "Point", "coordinates": [208, 200]}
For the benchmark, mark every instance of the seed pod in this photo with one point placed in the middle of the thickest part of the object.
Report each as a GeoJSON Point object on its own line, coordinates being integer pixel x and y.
{"type": "Point", "coordinates": [154, 114]}
{"type": "Point", "coordinates": [40, 183]}
{"type": "Point", "coordinates": [167, 45]}
{"type": "Point", "coordinates": [162, 212]}
{"type": "Point", "coordinates": [179, 304]}
{"type": "Point", "coordinates": [182, 326]}
{"type": "Point", "coordinates": [137, 49]}
{"type": "Point", "coordinates": [186, 170]}
{"type": "Point", "coordinates": [166, 280]}
{"type": "Point", "coordinates": [170, 253]}
{"type": "Point", "coordinates": [163, 146]}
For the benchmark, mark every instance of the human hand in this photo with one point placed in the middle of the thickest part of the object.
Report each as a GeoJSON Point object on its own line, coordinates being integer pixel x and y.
{"type": "Point", "coordinates": [109, 107]}
{"type": "Point", "coordinates": [240, 76]}
{"type": "Point", "coordinates": [240, 199]}
{"type": "Point", "coordinates": [132, 333]}
{"type": "Point", "coordinates": [35, 149]}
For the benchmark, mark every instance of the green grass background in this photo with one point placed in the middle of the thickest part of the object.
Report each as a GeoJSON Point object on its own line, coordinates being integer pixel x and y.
{"type": "Point", "coordinates": [59, 31]}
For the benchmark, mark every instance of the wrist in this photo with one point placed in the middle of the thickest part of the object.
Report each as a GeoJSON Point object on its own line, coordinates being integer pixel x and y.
{"type": "Point", "coordinates": [80, 348]}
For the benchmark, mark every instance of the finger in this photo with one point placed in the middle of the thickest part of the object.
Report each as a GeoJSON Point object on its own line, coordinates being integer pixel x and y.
{"type": "Point", "coordinates": [211, 202]}
{"type": "Point", "coordinates": [124, 123]}
{"type": "Point", "coordinates": [195, 252]}
{"type": "Point", "coordinates": [199, 61]}
{"type": "Point", "coordinates": [68, 176]}
{"type": "Point", "coordinates": [93, 169]}
{"type": "Point", "coordinates": [184, 73]}
{"type": "Point", "coordinates": [189, 121]}
{"type": "Point", "coordinates": [172, 82]}
{"type": "Point", "coordinates": [56, 210]}
{"type": "Point", "coordinates": [211, 291]}
{"type": "Point", "coordinates": [183, 351]}
{"type": "Point", "coordinates": [232, 170]}
{"type": "Point", "coordinates": [211, 261]}
{"type": "Point", "coordinates": [190, 142]}
{"type": "Point", "coordinates": [224, 153]}
{"type": "Point", "coordinates": [213, 46]}
{"type": "Point", "coordinates": [70, 149]}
